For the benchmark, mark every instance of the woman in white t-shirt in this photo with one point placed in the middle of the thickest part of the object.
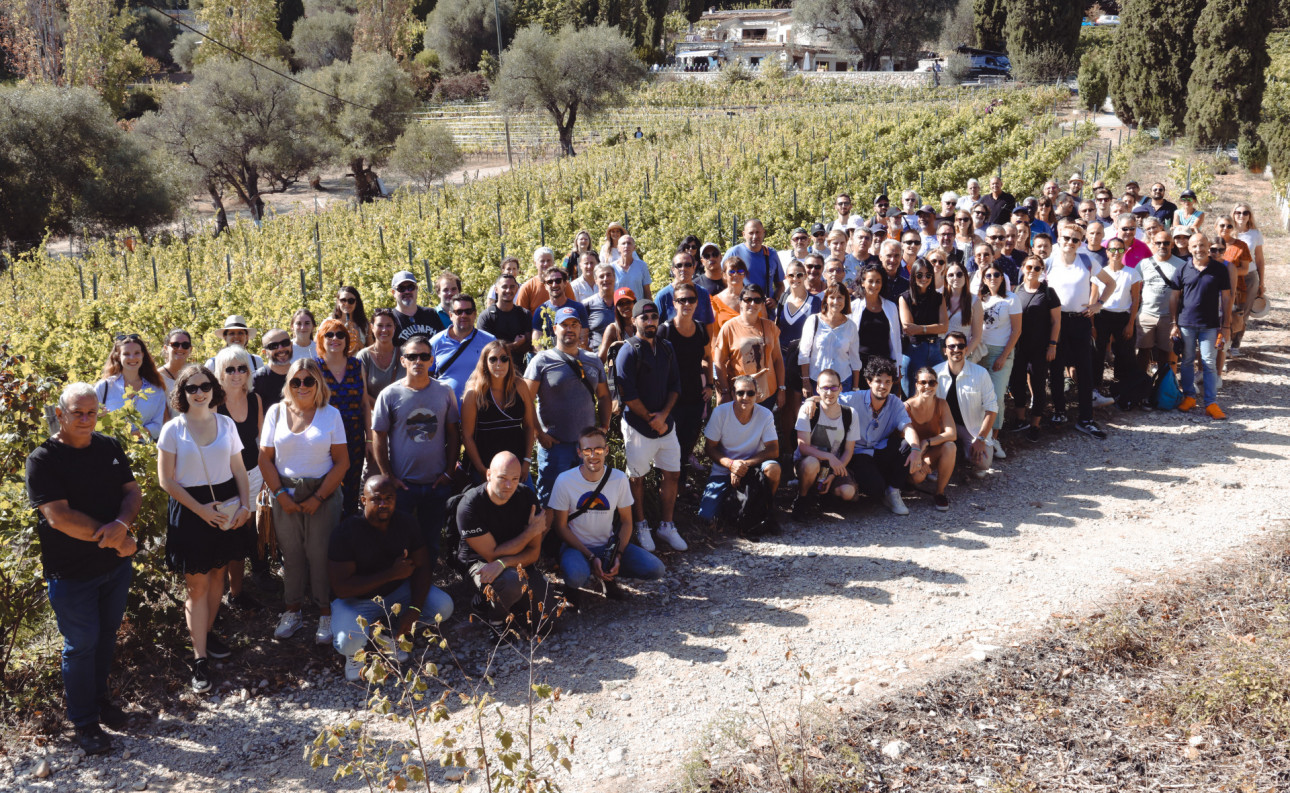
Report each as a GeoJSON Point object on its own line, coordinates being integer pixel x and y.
{"type": "Point", "coordinates": [302, 334]}
{"type": "Point", "coordinates": [1000, 331]}
{"type": "Point", "coordinates": [199, 464]}
{"type": "Point", "coordinates": [1083, 289]}
{"type": "Point", "coordinates": [830, 340]}
{"type": "Point", "coordinates": [825, 447]}
{"type": "Point", "coordinates": [178, 346]}
{"type": "Point", "coordinates": [1247, 231]}
{"type": "Point", "coordinates": [303, 458]}
{"type": "Point", "coordinates": [1116, 324]}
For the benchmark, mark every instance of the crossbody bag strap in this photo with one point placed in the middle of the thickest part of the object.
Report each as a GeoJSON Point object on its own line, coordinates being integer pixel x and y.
{"type": "Point", "coordinates": [600, 486]}
{"type": "Point", "coordinates": [1161, 273]}
{"type": "Point", "coordinates": [440, 370]}
{"type": "Point", "coordinates": [202, 457]}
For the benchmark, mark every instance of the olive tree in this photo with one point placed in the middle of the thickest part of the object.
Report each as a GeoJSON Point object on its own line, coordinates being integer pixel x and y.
{"type": "Point", "coordinates": [426, 152]}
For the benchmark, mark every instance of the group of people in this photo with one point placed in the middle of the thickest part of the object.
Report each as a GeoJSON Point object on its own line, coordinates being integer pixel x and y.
{"type": "Point", "coordinates": [873, 355]}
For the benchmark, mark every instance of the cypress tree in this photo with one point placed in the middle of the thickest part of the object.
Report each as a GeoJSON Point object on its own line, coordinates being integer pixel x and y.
{"type": "Point", "coordinates": [989, 21]}
{"type": "Point", "coordinates": [1152, 61]}
{"type": "Point", "coordinates": [1049, 30]}
{"type": "Point", "coordinates": [1225, 92]}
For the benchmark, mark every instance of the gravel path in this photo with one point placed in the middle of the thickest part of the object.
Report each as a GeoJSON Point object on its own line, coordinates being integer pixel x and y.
{"type": "Point", "coordinates": [864, 601]}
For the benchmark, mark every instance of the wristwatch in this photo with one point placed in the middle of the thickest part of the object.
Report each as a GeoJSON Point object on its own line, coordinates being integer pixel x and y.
{"type": "Point", "coordinates": [783, 388]}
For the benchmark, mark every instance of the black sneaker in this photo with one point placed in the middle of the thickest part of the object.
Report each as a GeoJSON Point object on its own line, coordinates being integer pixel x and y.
{"type": "Point", "coordinates": [802, 507]}
{"type": "Point", "coordinates": [201, 675]}
{"type": "Point", "coordinates": [1090, 428]}
{"type": "Point", "coordinates": [1058, 420]}
{"type": "Point", "coordinates": [615, 592]}
{"type": "Point", "coordinates": [216, 648]}
{"type": "Point", "coordinates": [93, 740]}
{"type": "Point", "coordinates": [112, 715]}
{"type": "Point", "coordinates": [1032, 434]}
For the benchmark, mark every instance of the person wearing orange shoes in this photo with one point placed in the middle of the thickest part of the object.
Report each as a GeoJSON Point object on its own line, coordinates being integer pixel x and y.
{"type": "Point", "coordinates": [1203, 309]}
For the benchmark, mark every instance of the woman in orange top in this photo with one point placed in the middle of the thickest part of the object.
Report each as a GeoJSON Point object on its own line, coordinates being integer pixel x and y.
{"type": "Point", "coordinates": [749, 345]}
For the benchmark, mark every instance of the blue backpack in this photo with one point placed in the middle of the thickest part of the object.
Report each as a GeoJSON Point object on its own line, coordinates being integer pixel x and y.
{"type": "Point", "coordinates": [1165, 391]}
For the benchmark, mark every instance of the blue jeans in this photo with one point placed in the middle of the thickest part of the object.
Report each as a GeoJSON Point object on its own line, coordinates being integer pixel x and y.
{"type": "Point", "coordinates": [89, 613]}
{"type": "Point", "coordinates": [1208, 361]}
{"type": "Point", "coordinates": [552, 462]}
{"type": "Point", "coordinates": [718, 484]}
{"type": "Point", "coordinates": [998, 379]}
{"type": "Point", "coordinates": [348, 637]}
{"type": "Point", "coordinates": [919, 355]}
{"type": "Point", "coordinates": [633, 562]}
{"type": "Point", "coordinates": [426, 504]}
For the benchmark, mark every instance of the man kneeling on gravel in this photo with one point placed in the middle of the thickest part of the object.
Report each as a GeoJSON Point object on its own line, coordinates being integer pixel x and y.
{"type": "Point", "coordinates": [375, 561]}
{"type": "Point", "coordinates": [740, 439]}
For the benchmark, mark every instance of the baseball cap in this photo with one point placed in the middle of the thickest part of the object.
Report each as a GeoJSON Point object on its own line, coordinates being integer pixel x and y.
{"type": "Point", "coordinates": [796, 231]}
{"type": "Point", "coordinates": [1180, 231]}
{"type": "Point", "coordinates": [643, 306]}
{"type": "Point", "coordinates": [624, 293]}
{"type": "Point", "coordinates": [881, 197]}
{"type": "Point", "coordinates": [817, 229]}
{"type": "Point", "coordinates": [926, 209]}
{"type": "Point", "coordinates": [400, 277]}
{"type": "Point", "coordinates": [566, 312]}
{"type": "Point", "coordinates": [714, 246]}
{"type": "Point", "coordinates": [1141, 209]}
{"type": "Point", "coordinates": [1188, 193]}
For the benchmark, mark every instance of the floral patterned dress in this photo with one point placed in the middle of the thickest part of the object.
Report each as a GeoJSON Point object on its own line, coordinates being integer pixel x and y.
{"type": "Point", "coordinates": [347, 397]}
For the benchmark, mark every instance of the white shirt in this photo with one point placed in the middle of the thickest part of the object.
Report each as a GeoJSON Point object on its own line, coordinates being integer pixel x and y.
{"type": "Point", "coordinates": [194, 463]}
{"type": "Point", "coordinates": [1121, 298]}
{"type": "Point", "coordinates": [1072, 282]}
{"type": "Point", "coordinates": [996, 319]}
{"type": "Point", "coordinates": [583, 290]}
{"type": "Point", "coordinates": [739, 441]}
{"type": "Point", "coordinates": [975, 392]}
{"type": "Point", "coordinates": [829, 348]}
{"type": "Point", "coordinates": [307, 454]}
{"type": "Point", "coordinates": [595, 526]}
{"type": "Point", "coordinates": [256, 363]}
{"type": "Point", "coordinates": [298, 352]}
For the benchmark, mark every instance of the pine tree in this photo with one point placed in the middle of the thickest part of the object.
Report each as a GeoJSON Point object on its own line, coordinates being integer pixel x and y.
{"type": "Point", "coordinates": [1225, 92]}
{"type": "Point", "coordinates": [1152, 61]}
{"type": "Point", "coordinates": [989, 22]}
{"type": "Point", "coordinates": [1047, 31]}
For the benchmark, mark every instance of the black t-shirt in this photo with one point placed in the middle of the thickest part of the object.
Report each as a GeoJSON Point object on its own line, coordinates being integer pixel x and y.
{"type": "Point", "coordinates": [506, 325]}
{"type": "Point", "coordinates": [928, 310]}
{"type": "Point", "coordinates": [1000, 208]}
{"type": "Point", "coordinates": [372, 550]}
{"type": "Point", "coordinates": [91, 481]}
{"type": "Point", "coordinates": [1036, 316]}
{"type": "Point", "coordinates": [268, 385]}
{"type": "Point", "coordinates": [477, 515]}
{"type": "Point", "coordinates": [711, 285]}
{"type": "Point", "coordinates": [689, 359]}
{"type": "Point", "coordinates": [875, 333]}
{"type": "Point", "coordinates": [952, 398]}
{"type": "Point", "coordinates": [426, 322]}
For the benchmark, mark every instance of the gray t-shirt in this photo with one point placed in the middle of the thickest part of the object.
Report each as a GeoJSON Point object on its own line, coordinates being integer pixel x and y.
{"type": "Point", "coordinates": [565, 405]}
{"type": "Point", "coordinates": [1155, 292]}
{"type": "Point", "coordinates": [415, 422]}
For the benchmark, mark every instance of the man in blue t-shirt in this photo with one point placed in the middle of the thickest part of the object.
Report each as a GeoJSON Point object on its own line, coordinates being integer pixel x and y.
{"type": "Point", "coordinates": [683, 273]}
{"type": "Point", "coordinates": [1203, 309]}
{"type": "Point", "coordinates": [457, 349]}
{"type": "Point", "coordinates": [762, 262]}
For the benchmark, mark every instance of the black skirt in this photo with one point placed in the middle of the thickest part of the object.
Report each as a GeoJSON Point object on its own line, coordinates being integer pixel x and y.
{"type": "Point", "coordinates": [193, 547]}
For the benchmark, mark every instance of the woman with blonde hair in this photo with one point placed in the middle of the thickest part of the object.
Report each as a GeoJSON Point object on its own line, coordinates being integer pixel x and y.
{"type": "Point", "coordinates": [234, 372]}
{"type": "Point", "coordinates": [347, 383]}
{"type": "Point", "coordinates": [497, 413]}
{"type": "Point", "coordinates": [130, 368]}
{"type": "Point", "coordinates": [609, 243]}
{"type": "Point", "coordinates": [304, 458]}
{"type": "Point", "coordinates": [581, 244]}
{"type": "Point", "coordinates": [1247, 231]}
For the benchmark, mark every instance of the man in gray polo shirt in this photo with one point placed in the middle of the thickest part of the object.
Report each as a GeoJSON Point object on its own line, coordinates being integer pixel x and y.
{"type": "Point", "coordinates": [1160, 278]}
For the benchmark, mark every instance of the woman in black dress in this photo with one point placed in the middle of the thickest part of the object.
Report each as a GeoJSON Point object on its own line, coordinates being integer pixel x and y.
{"type": "Point", "coordinates": [199, 463]}
{"type": "Point", "coordinates": [233, 369]}
{"type": "Point", "coordinates": [497, 412]}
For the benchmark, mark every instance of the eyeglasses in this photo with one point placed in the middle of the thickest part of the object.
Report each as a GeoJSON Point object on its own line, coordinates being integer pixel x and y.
{"type": "Point", "coordinates": [883, 205]}
{"type": "Point", "coordinates": [1220, 225]}
{"type": "Point", "coordinates": [418, 356]}
{"type": "Point", "coordinates": [1237, 212]}
{"type": "Point", "coordinates": [995, 237]}
{"type": "Point", "coordinates": [127, 337]}
{"type": "Point", "coordinates": [711, 255]}
{"type": "Point", "coordinates": [955, 276]}
{"type": "Point", "coordinates": [405, 288]}
{"type": "Point", "coordinates": [499, 358]}
{"type": "Point", "coordinates": [814, 267]}
{"type": "Point", "coordinates": [692, 246]}
{"type": "Point", "coordinates": [955, 346]}
{"type": "Point", "coordinates": [828, 389]}
{"type": "Point", "coordinates": [555, 282]}
{"type": "Point", "coordinates": [925, 383]}
{"type": "Point", "coordinates": [922, 276]}
{"type": "Point", "coordinates": [239, 369]}
{"type": "Point", "coordinates": [336, 334]}
{"type": "Point", "coordinates": [306, 382]}
{"type": "Point", "coordinates": [595, 449]}
{"type": "Point", "coordinates": [800, 238]}
{"type": "Point", "coordinates": [1219, 249]}
{"type": "Point", "coordinates": [911, 242]}
{"type": "Point", "coordinates": [351, 301]}
{"type": "Point", "coordinates": [962, 220]}
{"type": "Point", "coordinates": [464, 312]}
{"type": "Point", "coordinates": [941, 262]}
{"type": "Point", "coordinates": [272, 345]}
{"type": "Point", "coordinates": [992, 276]}
{"type": "Point", "coordinates": [1160, 242]}
{"type": "Point", "coordinates": [1033, 269]}
{"type": "Point", "coordinates": [746, 394]}
{"type": "Point", "coordinates": [184, 345]}
{"type": "Point", "coordinates": [978, 214]}
{"type": "Point", "coordinates": [755, 301]}
{"type": "Point", "coordinates": [795, 276]}
{"type": "Point", "coordinates": [204, 388]}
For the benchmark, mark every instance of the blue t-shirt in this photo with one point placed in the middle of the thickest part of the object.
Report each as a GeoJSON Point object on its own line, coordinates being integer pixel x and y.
{"type": "Point", "coordinates": [600, 315]}
{"type": "Point", "coordinates": [875, 430]}
{"type": "Point", "coordinates": [459, 370]}
{"type": "Point", "coordinates": [650, 375]}
{"type": "Point", "coordinates": [760, 264]}
{"type": "Point", "coordinates": [702, 310]}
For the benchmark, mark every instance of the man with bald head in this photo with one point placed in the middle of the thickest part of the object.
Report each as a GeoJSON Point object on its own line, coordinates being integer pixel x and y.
{"type": "Point", "coordinates": [501, 526]}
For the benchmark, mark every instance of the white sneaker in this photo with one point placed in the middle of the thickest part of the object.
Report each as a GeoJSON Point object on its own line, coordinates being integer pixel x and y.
{"type": "Point", "coordinates": [353, 669]}
{"type": "Point", "coordinates": [390, 647]}
{"type": "Point", "coordinates": [667, 532]}
{"type": "Point", "coordinates": [1101, 400]}
{"type": "Point", "coordinates": [979, 473]}
{"type": "Point", "coordinates": [644, 534]}
{"type": "Point", "coordinates": [288, 624]}
{"type": "Point", "coordinates": [895, 503]}
{"type": "Point", "coordinates": [998, 449]}
{"type": "Point", "coordinates": [323, 634]}
{"type": "Point", "coordinates": [1235, 352]}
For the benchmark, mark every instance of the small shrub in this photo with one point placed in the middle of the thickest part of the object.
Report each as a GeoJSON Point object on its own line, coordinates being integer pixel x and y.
{"type": "Point", "coordinates": [1044, 64]}
{"type": "Point", "coordinates": [1252, 153]}
{"type": "Point", "coordinates": [771, 69]}
{"type": "Point", "coordinates": [456, 87]}
{"type": "Point", "coordinates": [735, 72]}
{"type": "Point", "coordinates": [1093, 81]}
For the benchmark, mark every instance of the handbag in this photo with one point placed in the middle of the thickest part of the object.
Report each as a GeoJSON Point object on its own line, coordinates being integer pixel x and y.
{"type": "Point", "coordinates": [229, 507]}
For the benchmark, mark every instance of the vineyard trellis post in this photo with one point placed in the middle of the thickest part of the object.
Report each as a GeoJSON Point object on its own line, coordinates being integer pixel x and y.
{"type": "Point", "coordinates": [304, 294]}
{"type": "Point", "coordinates": [80, 272]}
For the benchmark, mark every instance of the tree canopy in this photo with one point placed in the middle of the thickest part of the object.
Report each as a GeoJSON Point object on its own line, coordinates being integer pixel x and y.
{"type": "Point", "coordinates": [1225, 90]}
{"type": "Point", "coordinates": [1148, 81]}
{"type": "Point", "coordinates": [461, 30]}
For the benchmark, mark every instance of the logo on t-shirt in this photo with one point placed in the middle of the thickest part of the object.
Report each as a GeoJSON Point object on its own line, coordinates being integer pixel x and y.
{"type": "Point", "coordinates": [590, 501]}
{"type": "Point", "coordinates": [422, 425]}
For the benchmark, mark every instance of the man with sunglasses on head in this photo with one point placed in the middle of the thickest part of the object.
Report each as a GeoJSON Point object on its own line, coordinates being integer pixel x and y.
{"type": "Point", "coordinates": [801, 248]}
{"type": "Point", "coordinates": [457, 349]}
{"type": "Point", "coordinates": [842, 203]}
{"type": "Point", "coordinates": [417, 439]}
{"type": "Point", "coordinates": [270, 379]}
{"type": "Point", "coordinates": [683, 273]}
{"type": "Point", "coordinates": [414, 320]}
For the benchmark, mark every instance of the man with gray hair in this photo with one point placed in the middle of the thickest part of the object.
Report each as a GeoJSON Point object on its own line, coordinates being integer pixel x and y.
{"type": "Point", "coordinates": [534, 292]}
{"type": "Point", "coordinates": [949, 205]}
{"type": "Point", "coordinates": [630, 270]}
{"type": "Point", "coordinates": [971, 197]}
{"type": "Point", "coordinates": [80, 483]}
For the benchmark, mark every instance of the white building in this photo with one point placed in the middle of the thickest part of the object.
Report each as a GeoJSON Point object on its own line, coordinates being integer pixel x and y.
{"type": "Point", "coordinates": [755, 35]}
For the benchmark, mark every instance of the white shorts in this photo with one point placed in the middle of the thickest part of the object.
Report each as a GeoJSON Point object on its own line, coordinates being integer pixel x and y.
{"type": "Point", "coordinates": [663, 453]}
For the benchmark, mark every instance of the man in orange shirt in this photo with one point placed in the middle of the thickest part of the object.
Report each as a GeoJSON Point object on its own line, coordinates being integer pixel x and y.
{"type": "Point", "coordinates": [534, 293]}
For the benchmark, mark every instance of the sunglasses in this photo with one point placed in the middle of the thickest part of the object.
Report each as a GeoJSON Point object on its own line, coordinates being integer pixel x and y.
{"type": "Point", "coordinates": [922, 276]}
{"type": "Point", "coordinates": [351, 301]}
{"type": "Point", "coordinates": [127, 337]}
{"type": "Point", "coordinates": [305, 382]}
{"type": "Point", "coordinates": [239, 369]}
{"type": "Point", "coordinates": [737, 270]}
{"type": "Point", "coordinates": [962, 220]}
{"type": "Point", "coordinates": [336, 334]}
{"type": "Point", "coordinates": [595, 449]}
{"type": "Point", "coordinates": [992, 276]}
{"type": "Point", "coordinates": [1237, 212]}
{"type": "Point", "coordinates": [1160, 242]}
{"type": "Point", "coordinates": [911, 242]}
{"type": "Point", "coordinates": [1115, 250]}
{"type": "Point", "coordinates": [498, 358]}
{"type": "Point", "coordinates": [689, 301]}
{"type": "Point", "coordinates": [745, 394]}
{"type": "Point", "coordinates": [941, 262]}
{"type": "Point", "coordinates": [277, 345]}
{"type": "Point", "coordinates": [995, 237]}
{"type": "Point", "coordinates": [405, 288]}
{"type": "Point", "coordinates": [185, 345]}
{"type": "Point", "coordinates": [555, 282]}
{"type": "Point", "coordinates": [815, 267]}
{"type": "Point", "coordinates": [756, 301]}
{"type": "Point", "coordinates": [1033, 269]}
{"type": "Point", "coordinates": [418, 356]}
{"type": "Point", "coordinates": [464, 312]}
{"type": "Point", "coordinates": [205, 387]}
{"type": "Point", "coordinates": [795, 276]}
{"type": "Point", "coordinates": [682, 265]}
{"type": "Point", "coordinates": [955, 276]}
{"type": "Point", "coordinates": [828, 389]}
{"type": "Point", "coordinates": [1068, 238]}
{"type": "Point", "coordinates": [926, 383]}
{"type": "Point", "coordinates": [955, 346]}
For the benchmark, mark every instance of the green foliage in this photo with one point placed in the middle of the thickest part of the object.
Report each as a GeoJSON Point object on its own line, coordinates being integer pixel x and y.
{"type": "Point", "coordinates": [1093, 82]}
{"type": "Point", "coordinates": [423, 71]}
{"type": "Point", "coordinates": [426, 152]}
{"type": "Point", "coordinates": [770, 70]}
{"type": "Point", "coordinates": [567, 73]}
{"type": "Point", "coordinates": [875, 28]}
{"type": "Point", "coordinates": [1252, 152]}
{"type": "Point", "coordinates": [322, 39]}
{"type": "Point", "coordinates": [488, 66]}
{"type": "Point", "coordinates": [362, 129]}
{"type": "Point", "coordinates": [990, 23]}
{"type": "Point", "coordinates": [65, 166]}
{"type": "Point", "coordinates": [458, 87]}
{"type": "Point", "coordinates": [461, 30]}
{"type": "Point", "coordinates": [387, 27]}
{"type": "Point", "coordinates": [735, 72]}
{"type": "Point", "coordinates": [248, 26]}
{"type": "Point", "coordinates": [1148, 82]}
{"type": "Point", "coordinates": [153, 32]}
{"type": "Point", "coordinates": [1044, 63]}
{"type": "Point", "coordinates": [1225, 92]}
{"type": "Point", "coordinates": [289, 13]}
{"type": "Point", "coordinates": [97, 54]}
{"type": "Point", "coordinates": [1042, 37]}
{"type": "Point", "coordinates": [1274, 130]}
{"type": "Point", "coordinates": [184, 51]}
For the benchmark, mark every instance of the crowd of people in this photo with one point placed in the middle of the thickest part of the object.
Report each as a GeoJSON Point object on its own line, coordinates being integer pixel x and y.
{"type": "Point", "coordinates": [870, 358]}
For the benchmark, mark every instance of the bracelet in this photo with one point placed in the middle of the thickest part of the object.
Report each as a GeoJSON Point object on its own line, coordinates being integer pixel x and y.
{"type": "Point", "coordinates": [1052, 344]}
{"type": "Point", "coordinates": [279, 492]}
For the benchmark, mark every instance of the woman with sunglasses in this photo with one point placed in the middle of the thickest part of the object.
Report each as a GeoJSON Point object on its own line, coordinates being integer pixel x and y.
{"type": "Point", "coordinates": [1044, 213]}
{"type": "Point", "coordinates": [178, 346]}
{"type": "Point", "coordinates": [691, 343]}
{"type": "Point", "coordinates": [497, 412]}
{"type": "Point", "coordinates": [826, 340]}
{"type": "Point", "coordinates": [963, 311]}
{"type": "Point", "coordinates": [621, 329]}
{"type": "Point", "coordinates": [347, 386]}
{"type": "Point", "coordinates": [877, 320]}
{"type": "Point", "coordinates": [303, 458]}
{"type": "Point", "coordinates": [349, 309]}
{"type": "Point", "coordinates": [923, 318]}
{"type": "Point", "coordinates": [932, 419]}
{"type": "Point", "coordinates": [130, 368]}
{"type": "Point", "coordinates": [243, 406]}
{"type": "Point", "coordinates": [1000, 331]}
{"type": "Point", "coordinates": [1083, 287]}
{"type": "Point", "coordinates": [796, 308]}
{"type": "Point", "coordinates": [199, 464]}
{"type": "Point", "coordinates": [581, 244]}
{"type": "Point", "coordinates": [1115, 326]}
{"type": "Point", "coordinates": [1187, 214]}
{"type": "Point", "coordinates": [1041, 324]}
{"type": "Point", "coordinates": [749, 345]}
{"type": "Point", "coordinates": [939, 261]}
{"type": "Point", "coordinates": [726, 303]}
{"type": "Point", "coordinates": [1247, 231]}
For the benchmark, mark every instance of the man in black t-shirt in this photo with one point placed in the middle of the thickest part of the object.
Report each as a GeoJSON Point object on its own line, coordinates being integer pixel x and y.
{"type": "Point", "coordinates": [272, 377]}
{"type": "Point", "coordinates": [380, 554]}
{"type": "Point", "coordinates": [414, 320]}
{"type": "Point", "coordinates": [81, 483]}
{"type": "Point", "coordinates": [507, 321]}
{"type": "Point", "coordinates": [502, 525]}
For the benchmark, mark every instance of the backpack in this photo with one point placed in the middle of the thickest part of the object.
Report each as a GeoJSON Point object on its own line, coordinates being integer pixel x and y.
{"type": "Point", "coordinates": [750, 506]}
{"type": "Point", "coordinates": [846, 422]}
{"type": "Point", "coordinates": [1166, 394]}
{"type": "Point", "coordinates": [451, 541]}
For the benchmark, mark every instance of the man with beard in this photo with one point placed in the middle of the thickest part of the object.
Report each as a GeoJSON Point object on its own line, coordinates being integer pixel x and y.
{"type": "Point", "coordinates": [270, 379]}
{"type": "Point", "coordinates": [414, 320]}
{"type": "Point", "coordinates": [415, 421]}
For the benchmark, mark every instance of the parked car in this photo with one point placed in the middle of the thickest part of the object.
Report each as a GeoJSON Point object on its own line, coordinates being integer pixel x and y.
{"type": "Point", "coordinates": [1108, 19]}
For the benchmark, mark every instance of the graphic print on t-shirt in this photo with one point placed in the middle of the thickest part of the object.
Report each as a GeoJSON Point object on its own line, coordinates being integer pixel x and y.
{"type": "Point", "coordinates": [585, 501]}
{"type": "Point", "coordinates": [993, 313]}
{"type": "Point", "coordinates": [752, 357]}
{"type": "Point", "coordinates": [422, 425]}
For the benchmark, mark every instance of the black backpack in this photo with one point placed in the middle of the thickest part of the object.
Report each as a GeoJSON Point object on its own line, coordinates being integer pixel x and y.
{"type": "Point", "coordinates": [450, 544]}
{"type": "Point", "coordinates": [750, 506]}
{"type": "Point", "coordinates": [846, 423]}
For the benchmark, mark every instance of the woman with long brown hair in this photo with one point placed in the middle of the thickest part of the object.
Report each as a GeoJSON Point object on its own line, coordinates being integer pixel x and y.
{"type": "Point", "coordinates": [497, 412]}
{"type": "Point", "coordinates": [349, 309]}
{"type": "Point", "coordinates": [130, 368]}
